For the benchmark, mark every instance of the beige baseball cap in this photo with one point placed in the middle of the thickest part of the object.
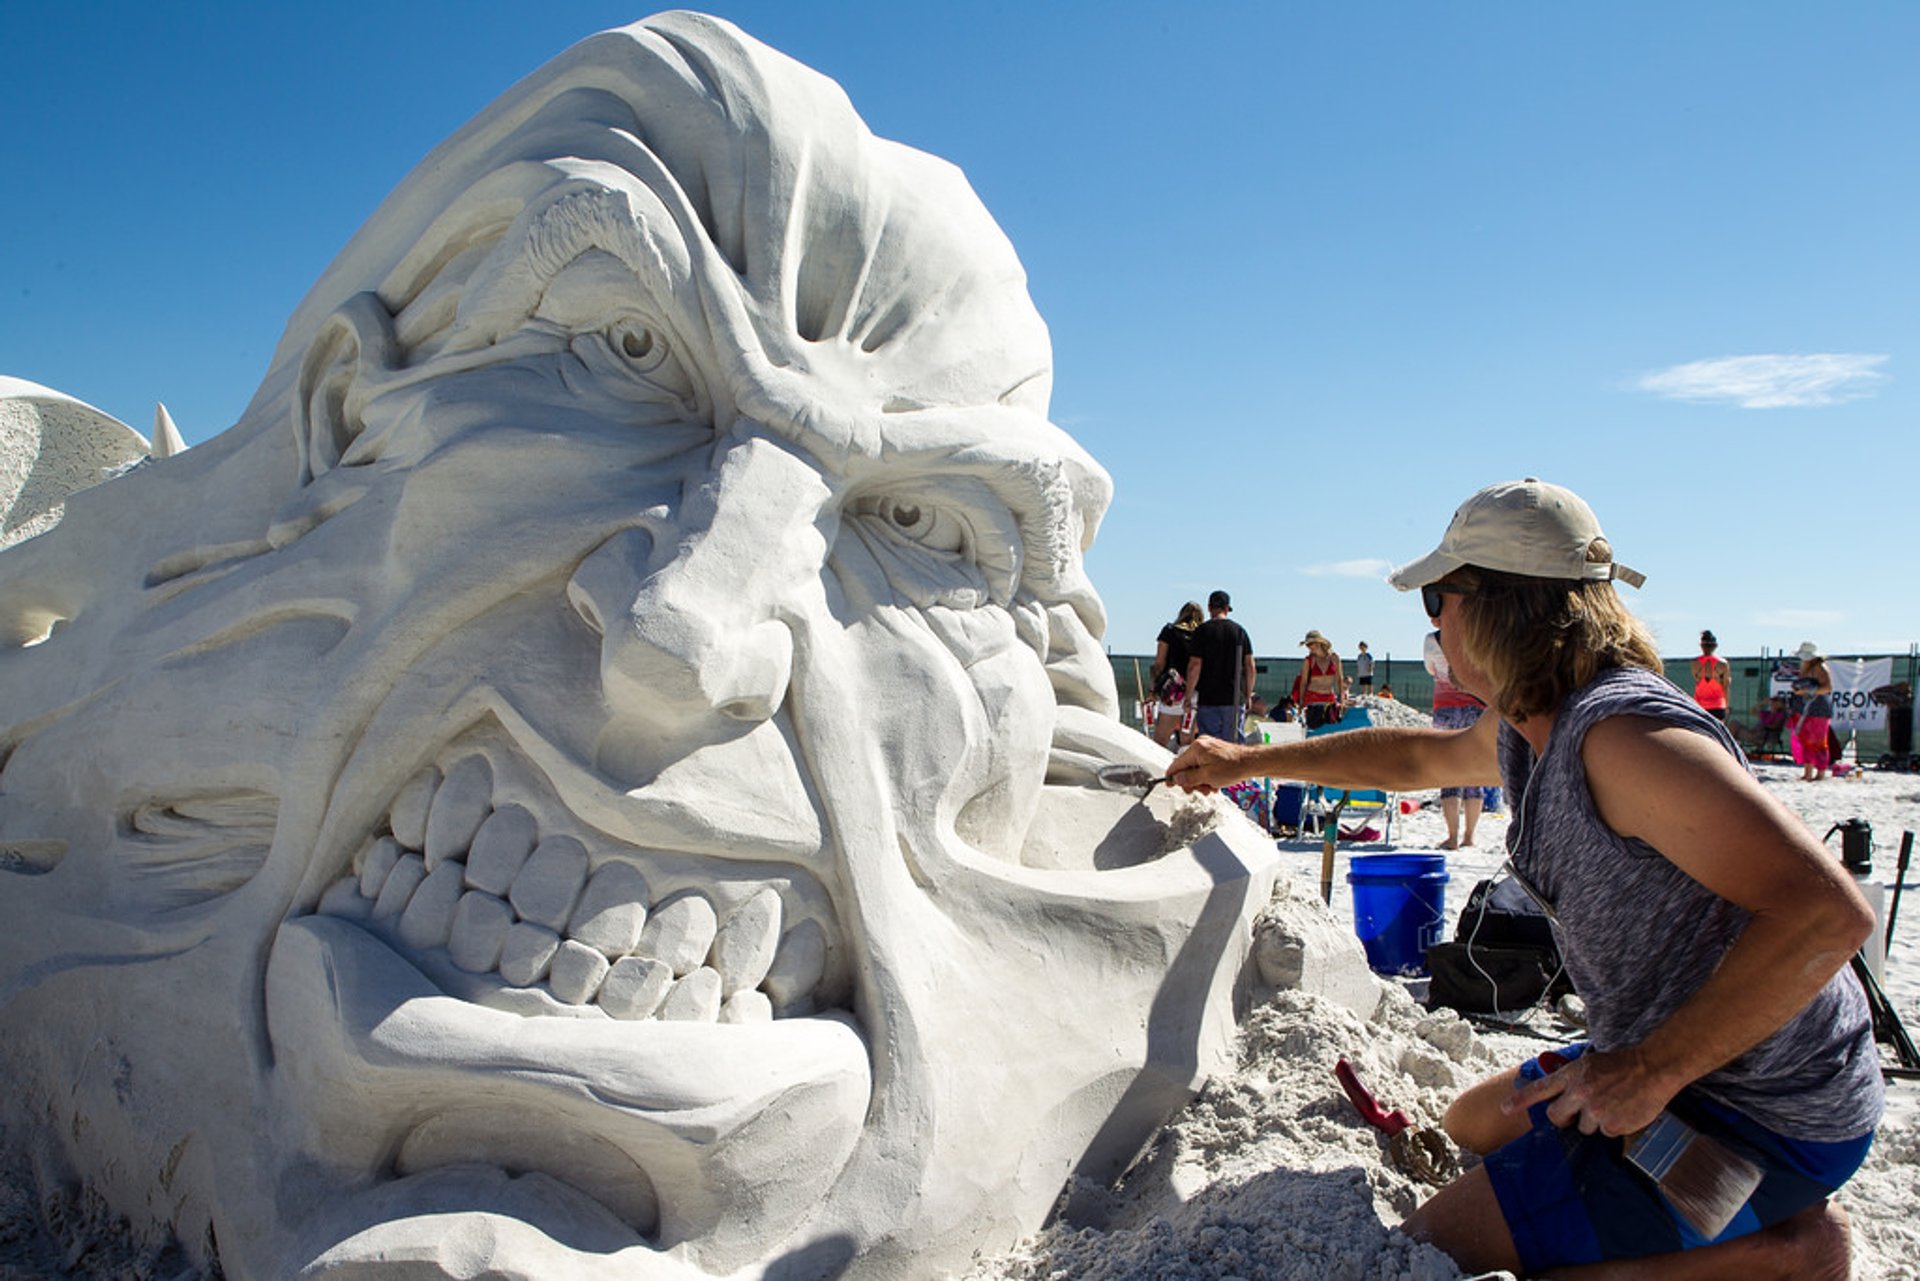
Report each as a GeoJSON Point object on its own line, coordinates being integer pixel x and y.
{"type": "Point", "coordinates": [1519, 527]}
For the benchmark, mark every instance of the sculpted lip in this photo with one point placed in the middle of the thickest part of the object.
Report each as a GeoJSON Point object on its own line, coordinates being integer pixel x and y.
{"type": "Point", "coordinates": [505, 984]}
{"type": "Point", "coordinates": [708, 1136]}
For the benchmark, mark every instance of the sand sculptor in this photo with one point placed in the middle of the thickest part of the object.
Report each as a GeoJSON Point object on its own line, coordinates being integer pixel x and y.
{"type": "Point", "coordinates": [592, 776]}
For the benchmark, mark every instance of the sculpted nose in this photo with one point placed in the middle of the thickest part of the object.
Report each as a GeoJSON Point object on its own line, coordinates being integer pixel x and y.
{"type": "Point", "coordinates": [690, 613]}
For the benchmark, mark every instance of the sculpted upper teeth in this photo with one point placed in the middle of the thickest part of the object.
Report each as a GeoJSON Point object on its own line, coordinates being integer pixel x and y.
{"type": "Point", "coordinates": [680, 933]}
{"type": "Point", "coordinates": [550, 882]}
{"type": "Point", "coordinates": [460, 874]}
{"type": "Point", "coordinates": [743, 950]}
{"type": "Point", "coordinates": [500, 849]}
{"type": "Point", "coordinates": [462, 802]}
{"type": "Point", "coordinates": [409, 815]}
{"type": "Point", "coordinates": [480, 927]}
{"type": "Point", "coordinates": [612, 909]}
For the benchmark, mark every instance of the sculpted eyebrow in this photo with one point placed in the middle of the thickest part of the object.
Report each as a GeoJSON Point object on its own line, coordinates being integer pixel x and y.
{"type": "Point", "coordinates": [997, 445]}
{"type": "Point", "coordinates": [508, 285]}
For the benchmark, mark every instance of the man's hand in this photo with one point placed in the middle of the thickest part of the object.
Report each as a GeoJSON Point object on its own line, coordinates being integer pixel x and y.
{"type": "Point", "coordinates": [1605, 1093]}
{"type": "Point", "coordinates": [1206, 764]}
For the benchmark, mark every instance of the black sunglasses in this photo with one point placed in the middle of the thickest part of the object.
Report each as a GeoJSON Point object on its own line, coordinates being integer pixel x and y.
{"type": "Point", "coordinates": [1430, 596]}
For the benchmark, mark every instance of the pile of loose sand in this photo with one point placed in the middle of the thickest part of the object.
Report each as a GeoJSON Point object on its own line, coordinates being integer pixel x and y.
{"type": "Point", "coordinates": [1271, 1174]}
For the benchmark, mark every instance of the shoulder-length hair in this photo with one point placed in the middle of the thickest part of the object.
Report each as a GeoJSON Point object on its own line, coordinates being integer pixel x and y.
{"type": "Point", "coordinates": [1540, 639]}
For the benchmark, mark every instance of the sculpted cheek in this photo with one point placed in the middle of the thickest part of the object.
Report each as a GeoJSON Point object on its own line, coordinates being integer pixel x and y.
{"type": "Point", "coordinates": [961, 715]}
{"type": "Point", "coordinates": [1010, 762]}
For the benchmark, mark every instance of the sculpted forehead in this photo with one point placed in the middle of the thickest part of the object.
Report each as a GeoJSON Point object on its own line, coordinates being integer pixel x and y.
{"type": "Point", "coordinates": [821, 245]}
{"type": "Point", "coordinates": [707, 203]}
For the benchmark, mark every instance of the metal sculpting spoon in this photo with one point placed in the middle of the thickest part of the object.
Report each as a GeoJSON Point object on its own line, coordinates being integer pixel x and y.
{"type": "Point", "coordinates": [1137, 779]}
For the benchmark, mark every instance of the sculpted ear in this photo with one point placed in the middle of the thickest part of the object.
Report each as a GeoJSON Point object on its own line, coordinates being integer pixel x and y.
{"type": "Point", "coordinates": [350, 355]}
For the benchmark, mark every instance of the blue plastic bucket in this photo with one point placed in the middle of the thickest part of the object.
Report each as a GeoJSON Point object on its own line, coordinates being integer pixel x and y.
{"type": "Point", "coordinates": [1399, 908]}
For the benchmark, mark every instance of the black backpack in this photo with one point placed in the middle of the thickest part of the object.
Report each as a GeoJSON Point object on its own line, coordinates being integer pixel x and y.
{"type": "Point", "coordinates": [1500, 961]}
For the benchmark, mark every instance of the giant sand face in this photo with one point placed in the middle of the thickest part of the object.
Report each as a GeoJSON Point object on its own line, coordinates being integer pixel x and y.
{"type": "Point", "coordinates": [591, 776]}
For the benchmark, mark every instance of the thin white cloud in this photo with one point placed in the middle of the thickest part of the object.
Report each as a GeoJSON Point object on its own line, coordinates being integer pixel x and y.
{"type": "Point", "coordinates": [1802, 619]}
{"type": "Point", "coordinates": [1350, 569]}
{"type": "Point", "coordinates": [1770, 382]}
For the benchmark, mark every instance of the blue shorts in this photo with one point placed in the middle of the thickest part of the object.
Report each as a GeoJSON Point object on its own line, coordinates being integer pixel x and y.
{"type": "Point", "coordinates": [1218, 722]}
{"type": "Point", "coordinates": [1571, 1198]}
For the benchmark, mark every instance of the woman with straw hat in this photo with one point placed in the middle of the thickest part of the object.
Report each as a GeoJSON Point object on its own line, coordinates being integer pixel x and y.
{"type": "Point", "coordinates": [1812, 735]}
{"type": "Point", "coordinates": [1322, 682]}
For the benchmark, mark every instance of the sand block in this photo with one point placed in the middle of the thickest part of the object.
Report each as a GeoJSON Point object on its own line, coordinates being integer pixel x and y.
{"type": "Point", "coordinates": [1298, 945]}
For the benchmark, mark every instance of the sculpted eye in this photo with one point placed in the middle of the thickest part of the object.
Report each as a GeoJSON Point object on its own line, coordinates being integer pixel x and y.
{"type": "Point", "coordinates": [930, 527]}
{"type": "Point", "coordinates": [953, 543]}
{"type": "Point", "coordinates": [637, 349]}
{"type": "Point", "coordinates": [596, 306]}
{"type": "Point", "coordinates": [636, 342]}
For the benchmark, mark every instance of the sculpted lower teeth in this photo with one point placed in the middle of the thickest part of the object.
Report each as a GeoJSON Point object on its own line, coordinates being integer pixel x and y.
{"type": "Point", "coordinates": [428, 920]}
{"type": "Point", "coordinates": [407, 874]}
{"type": "Point", "coordinates": [377, 864]}
{"type": "Point", "coordinates": [461, 875]}
{"type": "Point", "coordinates": [575, 972]}
{"type": "Point", "coordinates": [525, 952]}
{"type": "Point", "coordinates": [634, 987]}
{"type": "Point", "coordinates": [694, 999]}
{"type": "Point", "coordinates": [749, 1006]}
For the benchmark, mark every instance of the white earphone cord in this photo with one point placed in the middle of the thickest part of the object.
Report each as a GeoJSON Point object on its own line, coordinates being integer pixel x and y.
{"type": "Point", "coordinates": [1507, 868]}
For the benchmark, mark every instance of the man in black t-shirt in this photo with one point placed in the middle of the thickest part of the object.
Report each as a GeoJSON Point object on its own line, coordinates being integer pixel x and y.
{"type": "Point", "coordinates": [1219, 671]}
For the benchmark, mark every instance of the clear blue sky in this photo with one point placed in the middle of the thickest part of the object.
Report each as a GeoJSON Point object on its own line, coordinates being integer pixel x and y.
{"type": "Point", "coordinates": [1314, 272]}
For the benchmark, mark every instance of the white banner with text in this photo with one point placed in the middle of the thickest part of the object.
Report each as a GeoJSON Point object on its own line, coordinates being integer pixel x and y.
{"type": "Point", "coordinates": [1854, 681]}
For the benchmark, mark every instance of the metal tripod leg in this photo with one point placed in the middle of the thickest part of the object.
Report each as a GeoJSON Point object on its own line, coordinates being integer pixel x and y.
{"type": "Point", "coordinates": [1887, 1026]}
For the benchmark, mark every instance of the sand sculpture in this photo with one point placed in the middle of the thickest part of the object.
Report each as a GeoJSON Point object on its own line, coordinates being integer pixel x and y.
{"type": "Point", "coordinates": [590, 776]}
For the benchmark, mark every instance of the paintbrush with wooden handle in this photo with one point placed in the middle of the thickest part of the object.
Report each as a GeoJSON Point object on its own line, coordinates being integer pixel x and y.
{"type": "Point", "coordinates": [1704, 1180]}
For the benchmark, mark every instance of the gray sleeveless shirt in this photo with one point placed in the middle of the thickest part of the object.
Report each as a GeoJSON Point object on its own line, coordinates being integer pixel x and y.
{"type": "Point", "coordinates": [1639, 935]}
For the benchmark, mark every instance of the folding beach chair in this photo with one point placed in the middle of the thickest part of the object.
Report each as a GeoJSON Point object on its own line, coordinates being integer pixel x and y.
{"type": "Point", "coordinates": [1366, 812]}
{"type": "Point", "coordinates": [1372, 807]}
{"type": "Point", "coordinates": [1368, 807]}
